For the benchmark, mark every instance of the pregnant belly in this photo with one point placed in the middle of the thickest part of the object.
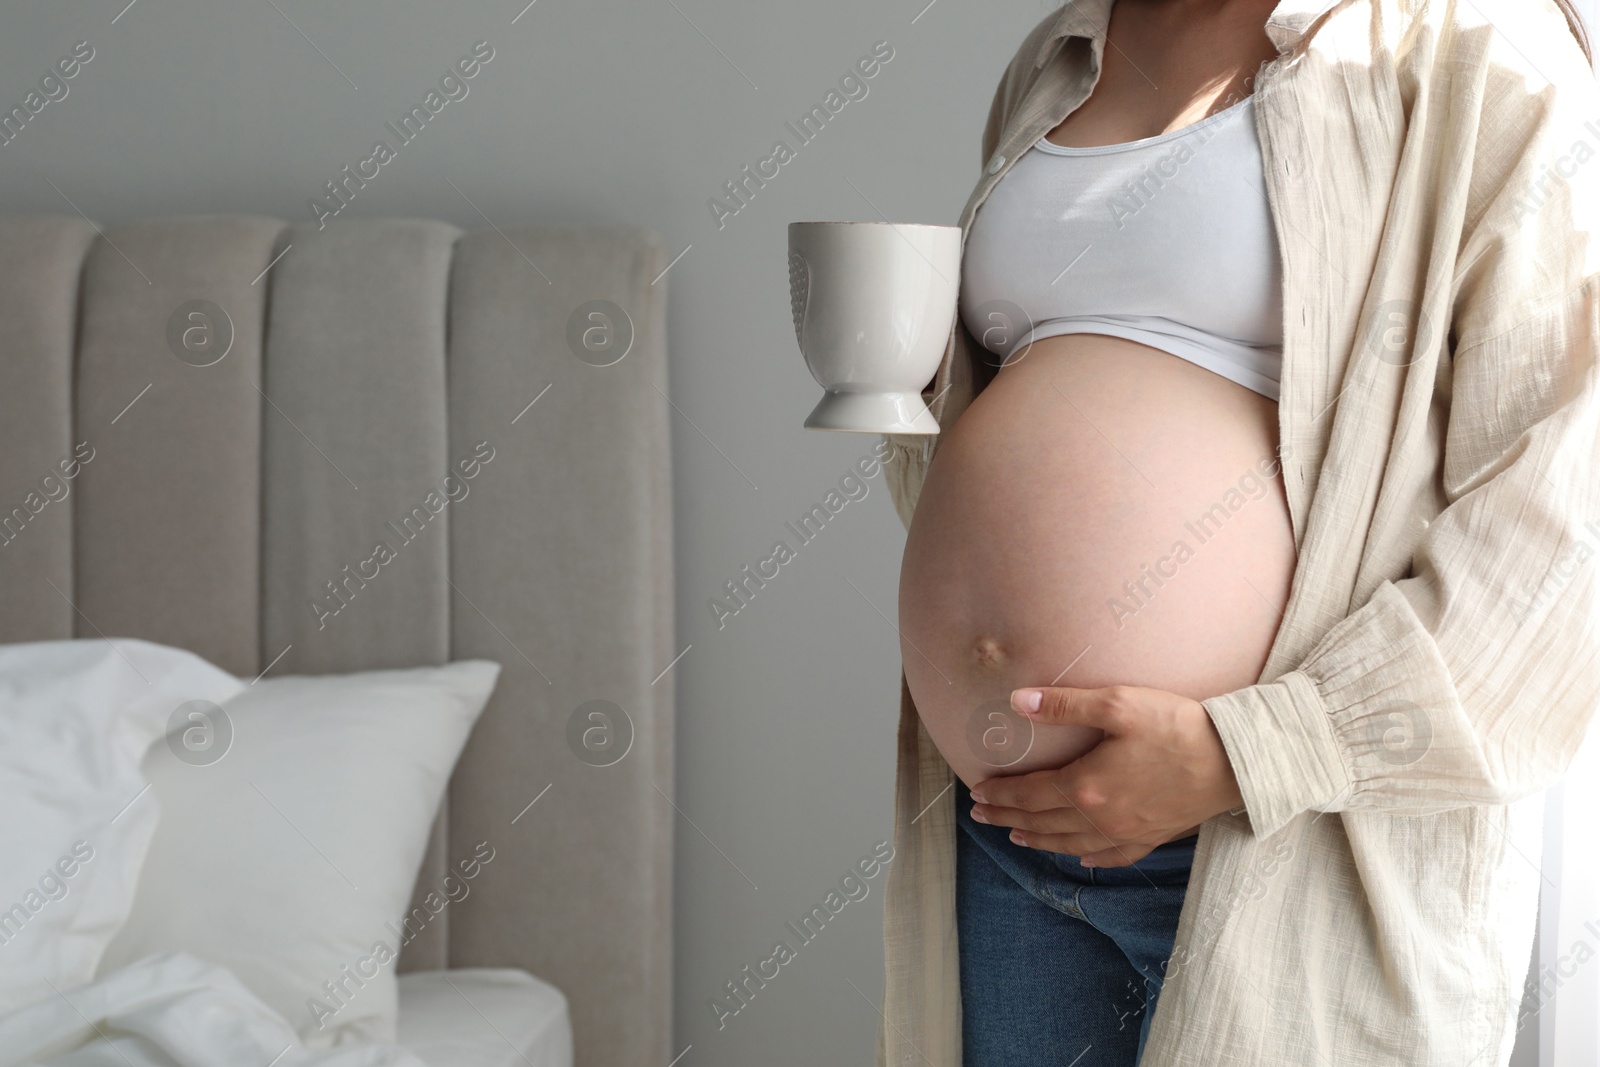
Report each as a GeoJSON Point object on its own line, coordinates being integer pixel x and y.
{"type": "Point", "coordinates": [1102, 513]}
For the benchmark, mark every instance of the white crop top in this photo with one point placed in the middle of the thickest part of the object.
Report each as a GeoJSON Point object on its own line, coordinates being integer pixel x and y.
{"type": "Point", "coordinates": [1167, 241]}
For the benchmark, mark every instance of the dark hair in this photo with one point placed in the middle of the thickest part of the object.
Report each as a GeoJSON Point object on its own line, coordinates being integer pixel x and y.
{"type": "Point", "coordinates": [1579, 30]}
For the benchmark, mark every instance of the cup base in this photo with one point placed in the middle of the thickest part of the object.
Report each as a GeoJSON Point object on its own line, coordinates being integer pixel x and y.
{"type": "Point", "coordinates": [872, 413]}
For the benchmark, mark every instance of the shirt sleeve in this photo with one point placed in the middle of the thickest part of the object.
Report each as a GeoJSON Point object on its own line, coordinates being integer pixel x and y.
{"type": "Point", "coordinates": [1472, 680]}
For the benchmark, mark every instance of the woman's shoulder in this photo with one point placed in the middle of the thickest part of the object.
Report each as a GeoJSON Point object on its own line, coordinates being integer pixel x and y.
{"type": "Point", "coordinates": [1512, 81]}
{"type": "Point", "coordinates": [1021, 72]}
{"type": "Point", "coordinates": [1531, 34]}
{"type": "Point", "coordinates": [1025, 62]}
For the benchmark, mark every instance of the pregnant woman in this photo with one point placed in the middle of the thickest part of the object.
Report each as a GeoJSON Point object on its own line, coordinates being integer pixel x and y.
{"type": "Point", "coordinates": [1238, 609]}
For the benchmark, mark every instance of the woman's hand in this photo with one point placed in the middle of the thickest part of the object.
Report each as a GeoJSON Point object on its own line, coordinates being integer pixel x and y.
{"type": "Point", "coordinates": [1160, 771]}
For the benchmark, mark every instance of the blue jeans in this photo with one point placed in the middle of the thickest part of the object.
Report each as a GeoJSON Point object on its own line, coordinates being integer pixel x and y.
{"type": "Point", "coordinates": [1060, 964]}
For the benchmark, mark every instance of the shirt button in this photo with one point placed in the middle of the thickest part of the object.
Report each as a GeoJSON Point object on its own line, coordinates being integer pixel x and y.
{"type": "Point", "coordinates": [996, 163]}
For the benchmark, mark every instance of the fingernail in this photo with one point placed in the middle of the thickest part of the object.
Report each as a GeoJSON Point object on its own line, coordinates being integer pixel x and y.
{"type": "Point", "coordinates": [1085, 863]}
{"type": "Point", "coordinates": [1016, 838]}
{"type": "Point", "coordinates": [978, 816]}
{"type": "Point", "coordinates": [1027, 701]}
{"type": "Point", "coordinates": [978, 798]}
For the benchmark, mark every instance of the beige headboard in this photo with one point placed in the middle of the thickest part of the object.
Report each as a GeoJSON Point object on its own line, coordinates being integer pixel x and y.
{"type": "Point", "coordinates": [210, 506]}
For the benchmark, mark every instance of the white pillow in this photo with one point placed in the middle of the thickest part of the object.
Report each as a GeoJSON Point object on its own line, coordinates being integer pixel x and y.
{"type": "Point", "coordinates": [292, 858]}
{"type": "Point", "coordinates": [76, 718]}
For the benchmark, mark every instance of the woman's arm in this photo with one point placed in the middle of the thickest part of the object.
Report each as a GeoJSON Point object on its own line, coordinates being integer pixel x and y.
{"type": "Point", "coordinates": [1473, 680]}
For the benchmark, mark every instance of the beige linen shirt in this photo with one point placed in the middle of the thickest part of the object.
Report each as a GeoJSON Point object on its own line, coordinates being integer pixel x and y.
{"type": "Point", "coordinates": [1432, 175]}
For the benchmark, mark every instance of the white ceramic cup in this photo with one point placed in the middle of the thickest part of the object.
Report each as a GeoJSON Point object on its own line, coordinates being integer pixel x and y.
{"type": "Point", "coordinates": [873, 306]}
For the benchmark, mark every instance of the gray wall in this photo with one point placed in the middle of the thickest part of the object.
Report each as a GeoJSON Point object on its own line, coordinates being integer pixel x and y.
{"type": "Point", "coordinates": [598, 112]}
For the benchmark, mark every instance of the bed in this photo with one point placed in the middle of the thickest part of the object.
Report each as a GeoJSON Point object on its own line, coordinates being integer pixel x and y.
{"type": "Point", "coordinates": [260, 398]}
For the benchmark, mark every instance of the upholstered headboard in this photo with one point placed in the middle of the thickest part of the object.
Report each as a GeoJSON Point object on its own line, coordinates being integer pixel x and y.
{"type": "Point", "coordinates": [247, 408]}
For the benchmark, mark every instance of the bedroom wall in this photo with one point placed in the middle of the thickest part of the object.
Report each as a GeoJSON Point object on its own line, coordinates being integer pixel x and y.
{"type": "Point", "coordinates": [616, 112]}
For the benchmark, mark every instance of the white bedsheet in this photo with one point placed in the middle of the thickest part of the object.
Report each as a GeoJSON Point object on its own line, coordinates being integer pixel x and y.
{"type": "Point", "coordinates": [484, 1017]}
{"type": "Point", "coordinates": [170, 1010]}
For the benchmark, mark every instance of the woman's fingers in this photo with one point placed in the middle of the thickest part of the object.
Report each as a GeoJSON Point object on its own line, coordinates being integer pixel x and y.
{"type": "Point", "coordinates": [1107, 708]}
{"type": "Point", "coordinates": [1119, 855]}
{"type": "Point", "coordinates": [1092, 850]}
{"type": "Point", "coordinates": [1037, 791]}
{"type": "Point", "coordinates": [1066, 844]}
{"type": "Point", "coordinates": [1050, 821]}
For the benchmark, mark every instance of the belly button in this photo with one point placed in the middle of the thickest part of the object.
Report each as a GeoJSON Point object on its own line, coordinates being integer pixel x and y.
{"type": "Point", "coordinates": [989, 654]}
